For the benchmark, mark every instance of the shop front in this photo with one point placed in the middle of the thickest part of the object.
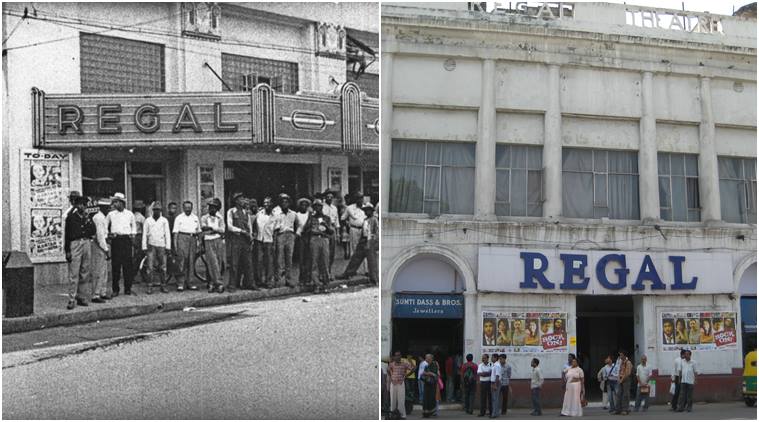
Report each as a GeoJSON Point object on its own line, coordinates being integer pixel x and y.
{"type": "Point", "coordinates": [185, 147]}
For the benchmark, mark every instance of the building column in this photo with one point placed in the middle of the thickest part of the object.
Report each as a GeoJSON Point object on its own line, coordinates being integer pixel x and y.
{"type": "Point", "coordinates": [484, 182]}
{"type": "Point", "coordinates": [552, 147]}
{"type": "Point", "coordinates": [648, 163]}
{"type": "Point", "coordinates": [386, 324]}
{"type": "Point", "coordinates": [708, 170]}
{"type": "Point", "coordinates": [471, 324]}
{"type": "Point", "coordinates": [386, 125]}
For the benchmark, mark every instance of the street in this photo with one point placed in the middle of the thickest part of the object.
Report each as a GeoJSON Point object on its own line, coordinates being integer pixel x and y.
{"type": "Point", "coordinates": [703, 411]}
{"type": "Point", "coordinates": [304, 357]}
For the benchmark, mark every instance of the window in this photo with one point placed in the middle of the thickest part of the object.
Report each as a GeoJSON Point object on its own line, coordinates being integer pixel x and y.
{"type": "Point", "coordinates": [432, 177]}
{"type": "Point", "coordinates": [119, 65]}
{"type": "Point", "coordinates": [598, 183]}
{"type": "Point", "coordinates": [518, 180]}
{"type": "Point", "coordinates": [737, 189]}
{"type": "Point", "coordinates": [243, 73]}
{"type": "Point", "coordinates": [367, 82]}
{"type": "Point", "coordinates": [101, 179]}
{"type": "Point", "coordinates": [678, 187]}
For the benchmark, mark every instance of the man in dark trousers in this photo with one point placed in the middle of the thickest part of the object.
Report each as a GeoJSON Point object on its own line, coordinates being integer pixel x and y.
{"type": "Point", "coordinates": [676, 373]}
{"type": "Point", "coordinates": [367, 247]}
{"type": "Point", "coordinates": [78, 236]}
{"type": "Point", "coordinates": [122, 230]}
{"type": "Point", "coordinates": [468, 372]}
{"type": "Point", "coordinates": [240, 235]}
{"type": "Point", "coordinates": [318, 230]}
{"type": "Point", "coordinates": [483, 371]}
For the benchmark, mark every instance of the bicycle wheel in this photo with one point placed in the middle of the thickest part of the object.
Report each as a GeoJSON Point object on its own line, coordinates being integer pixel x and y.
{"type": "Point", "coordinates": [143, 269]}
{"type": "Point", "coordinates": [200, 268]}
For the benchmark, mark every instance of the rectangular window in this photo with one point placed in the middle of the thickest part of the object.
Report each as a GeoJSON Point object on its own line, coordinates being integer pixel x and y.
{"type": "Point", "coordinates": [678, 187]}
{"type": "Point", "coordinates": [119, 65]}
{"type": "Point", "coordinates": [432, 177]}
{"type": "Point", "coordinates": [519, 180]}
{"type": "Point", "coordinates": [367, 82]}
{"type": "Point", "coordinates": [243, 73]}
{"type": "Point", "coordinates": [737, 189]}
{"type": "Point", "coordinates": [598, 183]}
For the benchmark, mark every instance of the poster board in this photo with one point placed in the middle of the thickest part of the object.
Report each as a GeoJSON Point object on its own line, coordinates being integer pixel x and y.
{"type": "Point", "coordinates": [697, 330]}
{"type": "Point", "coordinates": [45, 185]}
{"type": "Point", "coordinates": [524, 332]}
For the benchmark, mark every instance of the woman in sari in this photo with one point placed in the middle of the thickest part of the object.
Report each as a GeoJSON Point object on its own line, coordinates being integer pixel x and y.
{"type": "Point", "coordinates": [430, 377]}
{"type": "Point", "coordinates": [575, 390]}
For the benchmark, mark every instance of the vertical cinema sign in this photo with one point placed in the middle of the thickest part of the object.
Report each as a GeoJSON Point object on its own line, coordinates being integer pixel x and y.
{"type": "Point", "coordinates": [222, 118]}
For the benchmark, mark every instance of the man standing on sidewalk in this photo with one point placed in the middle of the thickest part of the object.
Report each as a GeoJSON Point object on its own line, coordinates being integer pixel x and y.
{"type": "Point", "coordinates": [397, 371]}
{"type": "Point", "coordinates": [625, 378]}
{"type": "Point", "coordinates": [676, 372]}
{"type": "Point", "coordinates": [613, 384]}
{"type": "Point", "coordinates": [495, 386]}
{"type": "Point", "coordinates": [330, 210]}
{"type": "Point", "coordinates": [186, 229]}
{"type": "Point", "coordinates": [468, 373]}
{"type": "Point", "coordinates": [642, 374]}
{"type": "Point", "coordinates": [317, 230]}
{"type": "Point", "coordinates": [687, 381]}
{"type": "Point", "coordinates": [505, 384]}
{"type": "Point", "coordinates": [240, 236]}
{"type": "Point", "coordinates": [101, 253]}
{"type": "Point", "coordinates": [303, 242]}
{"type": "Point", "coordinates": [367, 247]}
{"type": "Point", "coordinates": [354, 216]}
{"type": "Point", "coordinates": [265, 223]}
{"type": "Point", "coordinates": [285, 233]}
{"type": "Point", "coordinates": [213, 227]}
{"type": "Point", "coordinates": [122, 229]}
{"type": "Point", "coordinates": [77, 238]}
{"type": "Point", "coordinates": [536, 382]}
{"type": "Point", "coordinates": [156, 243]}
{"type": "Point", "coordinates": [484, 371]}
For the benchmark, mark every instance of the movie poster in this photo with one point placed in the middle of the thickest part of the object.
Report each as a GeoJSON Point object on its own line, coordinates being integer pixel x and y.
{"type": "Point", "coordinates": [698, 330]}
{"type": "Point", "coordinates": [45, 185]}
{"type": "Point", "coordinates": [525, 332]}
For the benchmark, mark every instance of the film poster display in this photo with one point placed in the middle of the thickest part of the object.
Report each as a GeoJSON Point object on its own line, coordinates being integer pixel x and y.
{"type": "Point", "coordinates": [698, 330]}
{"type": "Point", "coordinates": [525, 332]}
{"type": "Point", "coordinates": [46, 180]}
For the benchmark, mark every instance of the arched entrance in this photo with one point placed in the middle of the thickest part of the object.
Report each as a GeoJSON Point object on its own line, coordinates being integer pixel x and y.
{"type": "Point", "coordinates": [747, 292]}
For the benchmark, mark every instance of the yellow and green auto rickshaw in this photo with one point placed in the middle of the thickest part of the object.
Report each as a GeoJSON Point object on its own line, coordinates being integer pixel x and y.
{"type": "Point", "coordinates": [749, 379]}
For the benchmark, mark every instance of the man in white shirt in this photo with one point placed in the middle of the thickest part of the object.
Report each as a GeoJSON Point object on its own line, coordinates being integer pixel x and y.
{"type": "Point", "coordinates": [687, 381]}
{"type": "Point", "coordinates": [495, 386]}
{"type": "Point", "coordinates": [285, 233]}
{"type": "Point", "coordinates": [355, 217]}
{"type": "Point", "coordinates": [536, 382]}
{"type": "Point", "coordinates": [603, 380]}
{"type": "Point", "coordinates": [613, 381]}
{"type": "Point", "coordinates": [186, 229]}
{"type": "Point", "coordinates": [484, 370]}
{"type": "Point", "coordinates": [422, 367]}
{"type": "Point", "coordinates": [676, 372]}
{"type": "Point", "coordinates": [642, 374]}
{"type": "Point", "coordinates": [122, 230]}
{"type": "Point", "coordinates": [303, 241]}
{"type": "Point", "coordinates": [265, 222]}
{"type": "Point", "coordinates": [240, 237]}
{"type": "Point", "coordinates": [100, 253]}
{"type": "Point", "coordinates": [156, 242]}
{"type": "Point", "coordinates": [213, 227]}
{"type": "Point", "coordinates": [330, 210]}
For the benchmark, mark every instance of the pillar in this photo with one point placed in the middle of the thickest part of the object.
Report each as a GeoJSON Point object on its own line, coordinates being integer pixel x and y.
{"type": "Point", "coordinates": [386, 324]}
{"type": "Point", "coordinates": [471, 325]}
{"type": "Point", "coordinates": [648, 168]}
{"type": "Point", "coordinates": [484, 183]}
{"type": "Point", "coordinates": [552, 147]}
{"type": "Point", "coordinates": [708, 171]}
{"type": "Point", "coordinates": [386, 104]}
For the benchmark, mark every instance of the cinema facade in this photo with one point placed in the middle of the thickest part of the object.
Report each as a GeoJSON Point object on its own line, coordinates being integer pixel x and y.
{"type": "Point", "coordinates": [570, 179]}
{"type": "Point", "coordinates": [181, 101]}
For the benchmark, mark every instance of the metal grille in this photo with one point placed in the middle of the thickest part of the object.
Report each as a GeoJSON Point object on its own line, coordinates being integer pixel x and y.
{"type": "Point", "coordinates": [368, 82]}
{"type": "Point", "coordinates": [111, 64]}
{"type": "Point", "coordinates": [242, 73]}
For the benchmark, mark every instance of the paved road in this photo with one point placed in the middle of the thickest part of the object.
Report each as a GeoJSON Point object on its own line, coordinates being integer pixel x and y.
{"type": "Point", "coordinates": [278, 359]}
{"type": "Point", "coordinates": [701, 411]}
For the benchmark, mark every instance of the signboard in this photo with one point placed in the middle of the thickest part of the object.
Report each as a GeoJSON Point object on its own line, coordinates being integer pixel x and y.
{"type": "Point", "coordinates": [503, 269]}
{"type": "Point", "coordinates": [342, 120]}
{"type": "Point", "coordinates": [46, 182]}
{"type": "Point", "coordinates": [428, 306]}
{"type": "Point", "coordinates": [697, 330]}
{"type": "Point", "coordinates": [524, 332]}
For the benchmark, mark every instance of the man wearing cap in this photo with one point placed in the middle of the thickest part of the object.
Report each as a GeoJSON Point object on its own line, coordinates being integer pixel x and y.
{"type": "Point", "coordinates": [121, 228]}
{"type": "Point", "coordinates": [330, 210]}
{"type": "Point", "coordinates": [265, 223]}
{"type": "Point", "coordinates": [304, 252]}
{"type": "Point", "coordinates": [240, 236]}
{"type": "Point", "coordinates": [213, 227]}
{"type": "Point", "coordinates": [186, 230]}
{"type": "Point", "coordinates": [101, 253]}
{"type": "Point", "coordinates": [354, 216]}
{"type": "Point", "coordinates": [77, 239]}
{"type": "Point", "coordinates": [367, 248]}
{"type": "Point", "coordinates": [285, 234]}
{"type": "Point", "coordinates": [156, 241]}
{"type": "Point", "coordinates": [318, 229]}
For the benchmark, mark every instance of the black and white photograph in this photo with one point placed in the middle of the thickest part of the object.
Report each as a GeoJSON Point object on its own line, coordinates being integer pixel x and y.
{"type": "Point", "coordinates": [190, 210]}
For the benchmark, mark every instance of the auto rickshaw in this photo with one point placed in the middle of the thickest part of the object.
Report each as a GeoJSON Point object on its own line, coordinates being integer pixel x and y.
{"type": "Point", "coordinates": [749, 379]}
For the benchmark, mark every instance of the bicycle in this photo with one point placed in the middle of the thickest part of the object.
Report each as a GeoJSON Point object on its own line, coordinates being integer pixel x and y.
{"type": "Point", "coordinates": [199, 266]}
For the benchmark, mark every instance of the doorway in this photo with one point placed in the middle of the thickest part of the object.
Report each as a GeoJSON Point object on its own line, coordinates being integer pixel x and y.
{"type": "Point", "coordinates": [604, 326]}
{"type": "Point", "coordinates": [260, 179]}
{"type": "Point", "coordinates": [443, 338]}
{"type": "Point", "coordinates": [147, 190]}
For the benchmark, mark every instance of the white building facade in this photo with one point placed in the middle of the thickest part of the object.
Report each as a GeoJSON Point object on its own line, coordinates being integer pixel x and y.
{"type": "Point", "coordinates": [181, 101]}
{"type": "Point", "coordinates": [577, 178]}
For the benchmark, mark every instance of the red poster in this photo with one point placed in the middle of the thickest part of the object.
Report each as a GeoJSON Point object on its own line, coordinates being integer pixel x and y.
{"type": "Point", "coordinates": [724, 338]}
{"type": "Point", "coordinates": [552, 341]}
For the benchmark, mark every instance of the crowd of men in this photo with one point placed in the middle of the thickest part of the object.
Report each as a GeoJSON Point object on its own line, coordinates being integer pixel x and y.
{"type": "Point", "coordinates": [260, 244]}
{"type": "Point", "coordinates": [420, 379]}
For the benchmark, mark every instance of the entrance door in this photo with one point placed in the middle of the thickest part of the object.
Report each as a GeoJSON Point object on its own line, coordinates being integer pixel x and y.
{"type": "Point", "coordinates": [147, 190]}
{"type": "Point", "coordinates": [604, 326]}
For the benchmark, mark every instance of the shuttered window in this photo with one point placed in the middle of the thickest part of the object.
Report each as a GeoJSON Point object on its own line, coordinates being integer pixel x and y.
{"type": "Point", "coordinates": [243, 73]}
{"type": "Point", "coordinates": [118, 65]}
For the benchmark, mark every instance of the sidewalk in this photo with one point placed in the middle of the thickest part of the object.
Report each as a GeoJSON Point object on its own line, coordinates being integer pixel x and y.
{"type": "Point", "coordinates": [50, 302]}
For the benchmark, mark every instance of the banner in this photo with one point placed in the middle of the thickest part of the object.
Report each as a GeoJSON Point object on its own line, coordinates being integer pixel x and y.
{"type": "Point", "coordinates": [525, 332]}
{"type": "Point", "coordinates": [428, 306]}
{"type": "Point", "coordinates": [698, 330]}
{"type": "Point", "coordinates": [46, 183]}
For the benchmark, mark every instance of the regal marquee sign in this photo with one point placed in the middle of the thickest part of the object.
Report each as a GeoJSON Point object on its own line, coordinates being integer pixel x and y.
{"type": "Point", "coordinates": [346, 120]}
